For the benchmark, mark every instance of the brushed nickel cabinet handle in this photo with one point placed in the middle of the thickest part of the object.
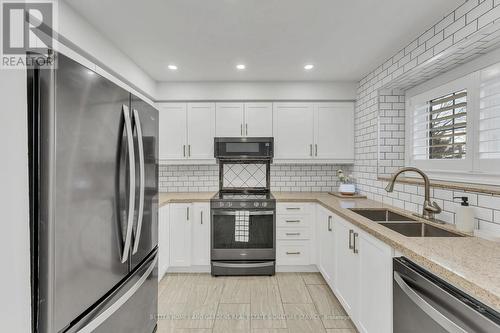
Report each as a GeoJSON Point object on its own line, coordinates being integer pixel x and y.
{"type": "Point", "coordinates": [246, 129]}
{"type": "Point", "coordinates": [288, 253]}
{"type": "Point", "coordinates": [293, 233]}
{"type": "Point", "coordinates": [241, 129]}
{"type": "Point", "coordinates": [316, 149]}
{"type": "Point", "coordinates": [184, 150]}
{"type": "Point", "coordinates": [292, 221]}
{"type": "Point", "coordinates": [329, 223]}
{"type": "Point", "coordinates": [311, 150]}
{"type": "Point", "coordinates": [187, 213]}
{"type": "Point", "coordinates": [201, 217]}
{"type": "Point", "coordinates": [354, 248]}
{"type": "Point", "coordinates": [189, 150]}
{"type": "Point", "coordinates": [292, 208]}
{"type": "Point", "coordinates": [351, 232]}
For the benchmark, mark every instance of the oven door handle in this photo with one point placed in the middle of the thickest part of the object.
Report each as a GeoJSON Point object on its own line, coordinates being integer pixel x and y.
{"type": "Point", "coordinates": [243, 265]}
{"type": "Point", "coordinates": [250, 213]}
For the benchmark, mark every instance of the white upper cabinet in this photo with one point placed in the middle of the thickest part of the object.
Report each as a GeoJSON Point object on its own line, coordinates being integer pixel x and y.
{"type": "Point", "coordinates": [334, 131]}
{"type": "Point", "coordinates": [293, 130]}
{"type": "Point", "coordinates": [229, 119]}
{"type": "Point", "coordinates": [244, 119]}
{"type": "Point", "coordinates": [304, 132]}
{"type": "Point", "coordinates": [200, 130]}
{"type": "Point", "coordinates": [187, 131]}
{"type": "Point", "coordinates": [314, 131]}
{"type": "Point", "coordinates": [173, 131]}
{"type": "Point", "coordinates": [258, 119]}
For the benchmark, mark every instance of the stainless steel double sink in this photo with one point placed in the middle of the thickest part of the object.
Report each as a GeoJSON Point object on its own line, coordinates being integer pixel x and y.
{"type": "Point", "coordinates": [402, 224]}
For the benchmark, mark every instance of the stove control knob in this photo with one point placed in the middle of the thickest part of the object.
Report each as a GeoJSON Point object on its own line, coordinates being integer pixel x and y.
{"type": "Point", "coordinates": [243, 204]}
{"type": "Point", "coordinates": [221, 204]}
{"type": "Point", "coordinates": [256, 204]}
{"type": "Point", "coordinates": [264, 204]}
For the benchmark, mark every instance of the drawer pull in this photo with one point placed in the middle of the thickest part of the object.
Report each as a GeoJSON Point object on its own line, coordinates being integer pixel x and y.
{"type": "Point", "coordinates": [293, 233]}
{"type": "Point", "coordinates": [292, 208]}
{"type": "Point", "coordinates": [292, 221]}
{"type": "Point", "coordinates": [289, 253]}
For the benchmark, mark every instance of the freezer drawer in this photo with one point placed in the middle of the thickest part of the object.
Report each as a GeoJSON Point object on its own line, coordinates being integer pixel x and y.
{"type": "Point", "coordinates": [131, 307]}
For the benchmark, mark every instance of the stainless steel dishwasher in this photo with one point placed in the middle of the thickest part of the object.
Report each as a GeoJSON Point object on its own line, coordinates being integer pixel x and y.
{"type": "Point", "coordinates": [426, 303]}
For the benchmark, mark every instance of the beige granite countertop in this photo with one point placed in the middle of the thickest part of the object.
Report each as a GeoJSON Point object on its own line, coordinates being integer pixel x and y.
{"type": "Point", "coordinates": [471, 264]}
{"type": "Point", "coordinates": [183, 197]}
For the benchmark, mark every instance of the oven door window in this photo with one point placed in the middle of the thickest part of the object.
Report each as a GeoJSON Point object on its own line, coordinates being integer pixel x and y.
{"type": "Point", "coordinates": [232, 230]}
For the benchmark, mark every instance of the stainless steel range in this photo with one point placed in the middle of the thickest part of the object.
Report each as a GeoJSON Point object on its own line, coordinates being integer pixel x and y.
{"type": "Point", "coordinates": [243, 212]}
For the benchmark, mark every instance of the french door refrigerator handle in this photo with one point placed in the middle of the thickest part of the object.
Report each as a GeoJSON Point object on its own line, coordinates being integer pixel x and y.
{"type": "Point", "coordinates": [432, 312]}
{"type": "Point", "coordinates": [91, 326]}
{"type": "Point", "coordinates": [140, 147]}
{"type": "Point", "coordinates": [131, 198]}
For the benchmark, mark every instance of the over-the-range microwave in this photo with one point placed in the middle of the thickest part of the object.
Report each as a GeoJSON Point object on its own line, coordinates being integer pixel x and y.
{"type": "Point", "coordinates": [244, 148]}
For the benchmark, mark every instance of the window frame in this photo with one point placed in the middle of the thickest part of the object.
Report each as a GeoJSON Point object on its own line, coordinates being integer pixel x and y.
{"type": "Point", "coordinates": [443, 167]}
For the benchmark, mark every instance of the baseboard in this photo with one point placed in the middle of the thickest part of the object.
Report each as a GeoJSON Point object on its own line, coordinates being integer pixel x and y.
{"type": "Point", "coordinates": [206, 269]}
{"type": "Point", "coordinates": [296, 268]}
{"type": "Point", "coordinates": [189, 269]}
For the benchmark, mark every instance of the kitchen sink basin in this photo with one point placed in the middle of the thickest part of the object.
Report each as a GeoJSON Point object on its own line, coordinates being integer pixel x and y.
{"type": "Point", "coordinates": [419, 229]}
{"type": "Point", "coordinates": [381, 215]}
{"type": "Point", "coordinates": [402, 224]}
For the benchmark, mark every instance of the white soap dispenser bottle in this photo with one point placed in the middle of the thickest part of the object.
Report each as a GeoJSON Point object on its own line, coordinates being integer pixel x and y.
{"type": "Point", "coordinates": [464, 219]}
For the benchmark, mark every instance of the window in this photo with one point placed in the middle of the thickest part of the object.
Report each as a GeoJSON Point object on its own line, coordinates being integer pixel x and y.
{"type": "Point", "coordinates": [447, 122]}
{"type": "Point", "coordinates": [453, 131]}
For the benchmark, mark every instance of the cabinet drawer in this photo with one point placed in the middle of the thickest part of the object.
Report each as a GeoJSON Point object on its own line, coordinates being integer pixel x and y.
{"type": "Point", "coordinates": [292, 208]}
{"type": "Point", "coordinates": [293, 253]}
{"type": "Point", "coordinates": [292, 221]}
{"type": "Point", "coordinates": [292, 233]}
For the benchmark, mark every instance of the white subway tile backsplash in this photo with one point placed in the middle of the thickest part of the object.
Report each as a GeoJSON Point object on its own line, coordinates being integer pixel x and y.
{"type": "Point", "coordinates": [194, 178]}
{"type": "Point", "coordinates": [488, 201]}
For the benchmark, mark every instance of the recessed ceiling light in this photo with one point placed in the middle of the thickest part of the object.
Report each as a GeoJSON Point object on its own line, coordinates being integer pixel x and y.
{"type": "Point", "coordinates": [241, 67]}
{"type": "Point", "coordinates": [308, 67]}
{"type": "Point", "coordinates": [172, 67]}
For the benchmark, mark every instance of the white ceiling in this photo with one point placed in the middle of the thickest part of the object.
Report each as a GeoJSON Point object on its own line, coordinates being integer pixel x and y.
{"type": "Point", "coordinates": [344, 39]}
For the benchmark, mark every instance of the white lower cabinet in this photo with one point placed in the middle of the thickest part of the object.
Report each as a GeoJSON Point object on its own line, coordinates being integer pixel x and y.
{"type": "Point", "coordinates": [375, 285]}
{"type": "Point", "coordinates": [347, 273]}
{"type": "Point", "coordinates": [363, 281]}
{"type": "Point", "coordinates": [180, 234]}
{"type": "Point", "coordinates": [189, 234]}
{"type": "Point", "coordinates": [200, 254]}
{"type": "Point", "coordinates": [325, 244]}
{"type": "Point", "coordinates": [294, 236]}
{"type": "Point", "coordinates": [163, 240]}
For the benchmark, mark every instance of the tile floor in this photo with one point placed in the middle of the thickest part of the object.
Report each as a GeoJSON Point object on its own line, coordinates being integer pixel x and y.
{"type": "Point", "coordinates": [285, 303]}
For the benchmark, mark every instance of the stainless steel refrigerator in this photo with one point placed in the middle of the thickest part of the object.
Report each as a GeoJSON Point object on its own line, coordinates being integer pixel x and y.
{"type": "Point", "coordinates": [94, 203]}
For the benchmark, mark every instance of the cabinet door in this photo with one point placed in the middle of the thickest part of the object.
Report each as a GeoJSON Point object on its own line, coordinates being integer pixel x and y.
{"type": "Point", "coordinates": [293, 130]}
{"type": "Point", "coordinates": [201, 130]}
{"type": "Point", "coordinates": [173, 133]}
{"type": "Point", "coordinates": [347, 272]}
{"type": "Point", "coordinates": [322, 236]}
{"type": "Point", "coordinates": [375, 285]}
{"type": "Point", "coordinates": [201, 234]}
{"type": "Point", "coordinates": [229, 119]}
{"type": "Point", "coordinates": [334, 131]}
{"type": "Point", "coordinates": [258, 119]}
{"type": "Point", "coordinates": [163, 240]}
{"type": "Point", "coordinates": [180, 234]}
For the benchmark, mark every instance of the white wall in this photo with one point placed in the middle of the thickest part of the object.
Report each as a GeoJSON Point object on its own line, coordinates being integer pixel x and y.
{"type": "Point", "coordinates": [77, 30]}
{"type": "Point", "coordinates": [304, 90]}
{"type": "Point", "coordinates": [15, 312]}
